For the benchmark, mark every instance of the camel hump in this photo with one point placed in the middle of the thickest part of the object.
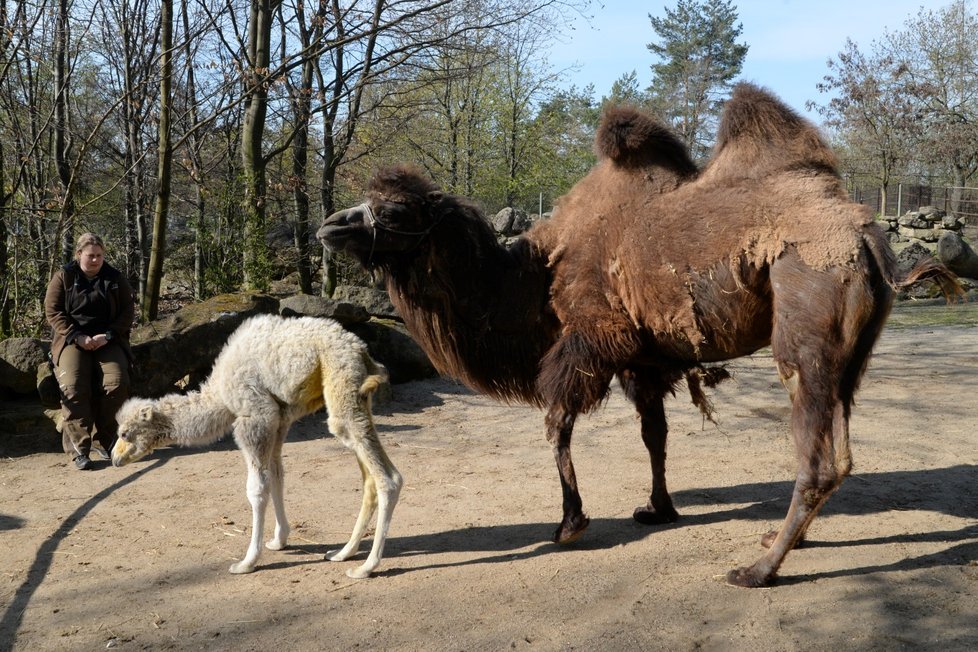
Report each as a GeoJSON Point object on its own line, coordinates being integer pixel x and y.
{"type": "Point", "coordinates": [759, 133]}
{"type": "Point", "coordinates": [631, 138]}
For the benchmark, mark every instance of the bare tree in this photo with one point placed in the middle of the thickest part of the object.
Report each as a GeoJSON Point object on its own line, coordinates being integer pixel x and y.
{"type": "Point", "coordinates": [870, 112]}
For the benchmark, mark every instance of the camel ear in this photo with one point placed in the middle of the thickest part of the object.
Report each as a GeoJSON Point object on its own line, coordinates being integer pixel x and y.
{"type": "Point", "coordinates": [435, 196]}
{"type": "Point", "coordinates": [146, 413]}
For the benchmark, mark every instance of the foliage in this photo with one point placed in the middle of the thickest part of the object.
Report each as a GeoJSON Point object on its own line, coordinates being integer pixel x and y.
{"type": "Point", "coordinates": [907, 105]}
{"type": "Point", "coordinates": [698, 58]}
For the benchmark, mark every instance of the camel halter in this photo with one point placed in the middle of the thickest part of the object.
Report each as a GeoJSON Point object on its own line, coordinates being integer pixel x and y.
{"type": "Point", "coordinates": [377, 225]}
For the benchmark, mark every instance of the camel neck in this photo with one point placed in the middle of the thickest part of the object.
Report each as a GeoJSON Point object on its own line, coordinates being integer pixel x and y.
{"type": "Point", "coordinates": [479, 311]}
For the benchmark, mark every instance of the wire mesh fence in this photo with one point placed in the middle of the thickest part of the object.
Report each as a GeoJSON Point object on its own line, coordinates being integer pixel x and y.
{"type": "Point", "coordinates": [903, 197]}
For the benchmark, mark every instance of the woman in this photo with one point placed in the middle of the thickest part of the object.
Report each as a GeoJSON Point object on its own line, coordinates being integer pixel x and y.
{"type": "Point", "coordinates": [90, 307]}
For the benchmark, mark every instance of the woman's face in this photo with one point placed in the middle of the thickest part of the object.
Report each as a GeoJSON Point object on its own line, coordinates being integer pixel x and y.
{"type": "Point", "coordinates": [90, 259]}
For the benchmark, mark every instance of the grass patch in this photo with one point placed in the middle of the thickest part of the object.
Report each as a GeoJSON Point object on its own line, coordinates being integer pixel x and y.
{"type": "Point", "coordinates": [912, 314]}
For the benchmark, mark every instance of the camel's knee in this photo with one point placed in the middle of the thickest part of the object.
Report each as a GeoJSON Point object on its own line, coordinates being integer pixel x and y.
{"type": "Point", "coordinates": [789, 378]}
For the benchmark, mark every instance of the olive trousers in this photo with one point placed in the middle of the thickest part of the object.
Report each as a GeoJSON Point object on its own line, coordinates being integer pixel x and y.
{"type": "Point", "coordinates": [94, 385]}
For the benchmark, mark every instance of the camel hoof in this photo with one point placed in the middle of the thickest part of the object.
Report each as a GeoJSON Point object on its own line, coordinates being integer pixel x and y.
{"type": "Point", "coordinates": [571, 531]}
{"type": "Point", "coordinates": [648, 515]}
{"type": "Point", "coordinates": [337, 555]}
{"type": "Point", "coordinates": [358, 573]}
{"type": "Point", "coordinates": [241, 568]}
{"type": "Point", "coordinates": [768, 540]}
{"type": "Point", "coordinates": [272, 544]}
{"type": "Point", "coordinates": [747, 578]}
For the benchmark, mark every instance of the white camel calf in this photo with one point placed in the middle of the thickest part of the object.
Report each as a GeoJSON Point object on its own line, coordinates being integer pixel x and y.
{"type": "Point", "coordinates": [273, 371]}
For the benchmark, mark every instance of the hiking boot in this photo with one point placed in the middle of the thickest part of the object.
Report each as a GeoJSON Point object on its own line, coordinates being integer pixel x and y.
{"type": "Point", "coordinates": [82, 463]}
{"type": "Point", "coordinates": [101, 453]}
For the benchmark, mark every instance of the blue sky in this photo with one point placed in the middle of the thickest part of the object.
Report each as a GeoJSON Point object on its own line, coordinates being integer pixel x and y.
{"type": "Point", "coordinates": [790, 41]}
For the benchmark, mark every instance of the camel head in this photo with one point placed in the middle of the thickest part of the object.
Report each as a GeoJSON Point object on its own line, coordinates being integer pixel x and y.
{"type": "Point", "coordinates": [142, 429]}
{"type": "Point", "coordinates": [401, 209]}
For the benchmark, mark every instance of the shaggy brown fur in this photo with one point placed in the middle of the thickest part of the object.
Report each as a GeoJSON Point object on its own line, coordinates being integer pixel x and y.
{"type": "Point", "coordinates": [647, 271]}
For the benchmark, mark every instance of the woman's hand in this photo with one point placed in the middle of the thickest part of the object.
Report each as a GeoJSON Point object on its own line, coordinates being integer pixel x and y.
{"type": "Point", "coordinates": [91, 343]}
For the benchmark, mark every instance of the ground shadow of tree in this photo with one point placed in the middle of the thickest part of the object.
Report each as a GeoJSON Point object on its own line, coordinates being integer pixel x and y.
{"type": "Point", "coordinates": [13, 614]}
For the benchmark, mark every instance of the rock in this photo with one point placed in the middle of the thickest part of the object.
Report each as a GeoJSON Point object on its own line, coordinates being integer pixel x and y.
{"type": "Point", "coordinates": [391, 345]}
{"type": "Point", "coordinates": [313, 306]}
{"type": "Point", "coordinates": [19, 360]}
{"type": "Point", "coordinates": [931, 213]}
{"type": "Point", "coordinates": [376, 302]}
{"type": "Point", "coordinates": [913, 221]}
{"type": "Point", "coordinates": [926, 235]}
{"type": "Point", "coordinates": [510, 222]}
{"type": "Point", "coordinates": [911, 255]}
{"type": "Point", "coordinates": [959, 257]}
{"type": "Point", "coordinates": [951, 223]}
{"type": "Point", "coordinates": [177, 351]}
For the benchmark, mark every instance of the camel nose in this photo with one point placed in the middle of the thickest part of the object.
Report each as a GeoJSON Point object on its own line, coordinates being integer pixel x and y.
{"type": "Point", "coordinates": [339, 218]}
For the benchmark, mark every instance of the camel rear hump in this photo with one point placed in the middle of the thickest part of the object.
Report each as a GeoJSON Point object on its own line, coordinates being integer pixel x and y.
{"type": "Point", "coordinates": [760, 134]}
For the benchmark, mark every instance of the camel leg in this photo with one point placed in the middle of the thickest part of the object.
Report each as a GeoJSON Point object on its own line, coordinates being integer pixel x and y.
{"type": "Point", "coordinates": [560, 426]}
{"type": "Point", "coordinates": [276, 485]}
{"type": "Point", "coordinates": [251, 435]}
{"type": "Point", "coordinates": [821, 432]}
{"type": "Point", "coordinates": [647, 396]}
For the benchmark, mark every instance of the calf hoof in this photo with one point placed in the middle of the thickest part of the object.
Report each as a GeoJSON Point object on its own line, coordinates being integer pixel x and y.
{"type": "Point", "coordinates": [649, 515]}
{"type": "Point", "coordinates": [571, 530]}
{"type": "Point", "coordinates": [748, 578]}
{"type": "Point", "coordinates": [241, 568]}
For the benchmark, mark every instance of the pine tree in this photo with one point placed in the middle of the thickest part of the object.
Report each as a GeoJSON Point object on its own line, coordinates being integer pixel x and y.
{"type": "Point", "coordinates": [698, 59]}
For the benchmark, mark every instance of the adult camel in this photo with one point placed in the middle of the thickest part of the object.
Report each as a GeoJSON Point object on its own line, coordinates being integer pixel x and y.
{"type": "Point", "coordinates": [648, 270]}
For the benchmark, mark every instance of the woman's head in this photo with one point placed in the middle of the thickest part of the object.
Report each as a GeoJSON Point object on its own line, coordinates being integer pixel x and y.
{"type": "Point", "coordinates": [90, 253]}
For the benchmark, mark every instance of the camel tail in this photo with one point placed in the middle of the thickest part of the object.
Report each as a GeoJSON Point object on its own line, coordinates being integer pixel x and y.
{"type": "Point", "coordinates": [927, 270]}
{"type": "Point", "coordinates": [930, 269]}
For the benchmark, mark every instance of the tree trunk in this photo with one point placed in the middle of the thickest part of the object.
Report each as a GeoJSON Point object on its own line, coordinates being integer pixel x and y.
{"type": "Point", "coordinates": [154, 277]}
{"type": "Point", "coordinates": [256, 273]}
{"type": "Point", "coordinates": [62, 138]}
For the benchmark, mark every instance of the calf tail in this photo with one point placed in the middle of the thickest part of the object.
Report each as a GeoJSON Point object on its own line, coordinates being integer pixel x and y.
{"type": "Point", "coordinates": [377, 376]}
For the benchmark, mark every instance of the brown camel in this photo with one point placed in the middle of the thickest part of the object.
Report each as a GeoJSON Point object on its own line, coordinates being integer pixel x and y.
{"type": "Point", "coordinates": [648, 270]}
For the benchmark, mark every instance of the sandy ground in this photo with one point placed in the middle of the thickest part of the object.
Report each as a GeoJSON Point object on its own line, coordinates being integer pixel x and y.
{"type": "Point", "coordinates": [137, 557]}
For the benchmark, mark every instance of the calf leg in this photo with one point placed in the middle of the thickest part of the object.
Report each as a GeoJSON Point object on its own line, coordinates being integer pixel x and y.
{"type": "Point", "coordinates": [560, 426]}
{"type": "Point", "coordinates": [647, 393]}
{"type": "Point", "coordinates": [276, 485]}
{"type": "Point", "coordinates": [381, 481]}
{"type": "Point", "coordinates": [252, 438]}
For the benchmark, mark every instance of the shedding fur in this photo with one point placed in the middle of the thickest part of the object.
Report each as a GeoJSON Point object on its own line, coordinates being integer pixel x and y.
{"type": "Point", "coordinates": [271, 372]}
{"type": "Point", "coordinates": [651, 273]}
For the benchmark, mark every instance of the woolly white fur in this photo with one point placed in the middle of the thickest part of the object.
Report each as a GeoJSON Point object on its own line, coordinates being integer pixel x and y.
{"type": "Point", "coordinates": [272, 371]}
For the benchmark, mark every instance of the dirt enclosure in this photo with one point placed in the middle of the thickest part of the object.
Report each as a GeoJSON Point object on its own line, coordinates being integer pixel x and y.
{"type": "Point", "coordinates": [137, 558]}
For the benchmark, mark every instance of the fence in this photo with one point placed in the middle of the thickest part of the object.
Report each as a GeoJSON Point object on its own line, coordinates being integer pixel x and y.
{"type": "Point", "coordinates": [903, 197]}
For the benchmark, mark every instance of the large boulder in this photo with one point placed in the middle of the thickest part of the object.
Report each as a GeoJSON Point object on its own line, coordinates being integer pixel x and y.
{"type": "Point", "coordinates": [376, 302]}
{"type": "Point", "coordinates": [343, 312]}
{"type": "Point", "coordinates": [391, 345]}
{"type": "Point", "coordinates": [910, 255]}
{"type": "Point", "coordinates": [20, 358]}
{"type": "Point", "coordinates": [177, 351]}
{"type": "Point", "coordinates": [959, 257]}
{"type": "Point", "coordinates": [510, 221]}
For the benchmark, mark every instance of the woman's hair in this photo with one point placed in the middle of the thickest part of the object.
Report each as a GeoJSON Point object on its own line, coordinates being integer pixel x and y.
{"type": "Point", "coordinates": [88, 239]}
